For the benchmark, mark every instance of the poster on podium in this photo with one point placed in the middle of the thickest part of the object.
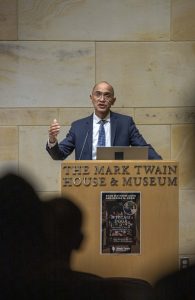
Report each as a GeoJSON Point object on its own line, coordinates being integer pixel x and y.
{"type": "Point", "coordinates": [120, 222]}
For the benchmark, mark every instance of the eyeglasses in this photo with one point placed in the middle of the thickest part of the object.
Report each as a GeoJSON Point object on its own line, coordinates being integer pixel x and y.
{"type": "Point", "coordinates": [106, 96]}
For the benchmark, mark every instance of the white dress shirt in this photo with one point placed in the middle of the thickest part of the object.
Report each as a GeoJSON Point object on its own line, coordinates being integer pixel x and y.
{"type": "Point", "coordinates": [96, 126]}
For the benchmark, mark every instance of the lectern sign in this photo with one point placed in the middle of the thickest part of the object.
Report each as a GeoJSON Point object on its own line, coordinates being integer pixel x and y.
{"type": "Point", "coordinates": [120, 222]}
{"type": "Point", "coordinates": [120, 175]}
{"type": "Point", "coordinates": [131, 216]}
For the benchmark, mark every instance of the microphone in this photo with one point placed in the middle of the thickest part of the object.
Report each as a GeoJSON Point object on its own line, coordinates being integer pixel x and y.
{"type": "Point", "coordinates": [83, 145]}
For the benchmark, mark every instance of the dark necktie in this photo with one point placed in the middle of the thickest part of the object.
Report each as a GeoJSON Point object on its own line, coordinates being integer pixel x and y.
{"type": "Point", "coordinates": [102, 135]}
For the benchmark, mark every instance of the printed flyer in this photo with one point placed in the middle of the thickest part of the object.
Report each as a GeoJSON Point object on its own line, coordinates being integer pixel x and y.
{"type": "Point", "coordinates": [120, 222]}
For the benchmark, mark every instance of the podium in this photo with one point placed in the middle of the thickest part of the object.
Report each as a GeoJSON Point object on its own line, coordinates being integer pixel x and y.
{"type": "Point", "coordinates": [153, 186]}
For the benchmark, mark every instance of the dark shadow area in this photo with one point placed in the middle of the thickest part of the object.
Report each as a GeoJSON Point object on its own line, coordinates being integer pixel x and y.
{"type": "Point", "coordinates": [37, 240]}
{"type": "Point", "coordinates": [179, 285]}
{"type": "Point", "coordinates": [21, 236]}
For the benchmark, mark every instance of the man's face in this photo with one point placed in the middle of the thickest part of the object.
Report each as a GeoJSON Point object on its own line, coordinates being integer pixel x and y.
{"type": "Point", "coordinates": [102, 98]}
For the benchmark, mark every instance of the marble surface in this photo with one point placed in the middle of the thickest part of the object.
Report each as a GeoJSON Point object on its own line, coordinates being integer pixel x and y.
{"type": "Point", "coordinates": [183, 20]}
{"type": "Point", "coordinates": [167, 115]}
{"type": "Point", "coordinates": [149, 74]}
{"type": "Point", "coordinates": [61, 74]}
{"type": "Point", "coordinates": [52, 53]}
{"type": "Point", "coordinates": [8, 20]}
{"type": "Point", "coordinates": [90, 19]}
{"type": "Point", "coordinates": [27, 116]}
{"type": "Point", "coordinates": [46, 74]}
{"type": "Point", "coordinates": [182, 150]}
{"type": "Point", "coordinates": [152, 136]}
{"type": "Point", "coordinates": [9, 149]}
{"type": "Point", "coordinates": [34, 159]}
{"type": "Point", "coordinates": [186, 222]}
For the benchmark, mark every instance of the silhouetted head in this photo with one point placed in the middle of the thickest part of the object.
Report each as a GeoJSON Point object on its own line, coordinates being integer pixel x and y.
{"type": "Point", "coordinates": [20, 223]}
{"type": "Point", "coordinates": [63, 221]}
{"type": "Point", "coordinates": [20, 207]}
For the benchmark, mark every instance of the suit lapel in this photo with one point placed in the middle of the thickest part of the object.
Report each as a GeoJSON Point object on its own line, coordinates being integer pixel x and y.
{"type": "Point", "coordinates": [113, 124]}
{"type": "Point", "coordinates": [89, 129]}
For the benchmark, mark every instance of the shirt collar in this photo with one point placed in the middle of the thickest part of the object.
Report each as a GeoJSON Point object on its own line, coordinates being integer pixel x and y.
{"type": "Point", "coordinates": [96, 119]}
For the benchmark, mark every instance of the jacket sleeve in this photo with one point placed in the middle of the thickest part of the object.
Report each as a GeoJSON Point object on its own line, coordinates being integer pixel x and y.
{"type": "Point", "coordinates": [63, 149]}
{"type": "Point", "coordinates": [136, 139]}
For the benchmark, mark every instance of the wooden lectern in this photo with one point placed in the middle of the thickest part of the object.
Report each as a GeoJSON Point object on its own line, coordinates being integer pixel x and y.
{"type": "Point", "coordinates": [156, 183]}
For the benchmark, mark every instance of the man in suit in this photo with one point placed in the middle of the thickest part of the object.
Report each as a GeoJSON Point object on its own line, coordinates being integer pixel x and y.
{"type": "Point", "coordinates": [120, 130]}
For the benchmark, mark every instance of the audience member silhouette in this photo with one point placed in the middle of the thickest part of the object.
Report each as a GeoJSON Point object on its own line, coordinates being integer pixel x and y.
{"type": "Point", "coordinates": [179, 285]}
{"type": "Point", "coordinates": [63, 222]}
{"type": "Point", "coordinates": [21, 236]}
{"type": "Point", "coordinates": [36, 245]}
{"type": "Point", "coordinates": [32, 266]}
{"type": "Point", "coordinates": [37, 240]}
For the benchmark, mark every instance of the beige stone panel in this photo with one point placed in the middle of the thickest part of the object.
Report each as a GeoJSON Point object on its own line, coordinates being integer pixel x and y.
{"type": "Point", "coordinates": [68, 115]}
{"type": "Point", "coordinates": [46, 74]}
{"type": "Point", "coordinates": [159, 137]}
{"type": "Point", "coordinates": [182, 150]}
{"type": "Point", "coordinates": [148, 74]}
{"type": "Point", "coordinates": [94, 20]}
{"type": "Point", "coordinates": [8, 149]}
{"type": "Point", "coordinates": [183, 20]}
{"type": "Point", "coordinates": [8, 143]}
{"type": "Point", "coordinates": [7, 166]}
{"type": "Point", "coordinates": [179, 115]}
{"type": "Point", "coordinates": [27, 116]}
{"type": "Point", "coordinates": [35, 160]}
{"type": "Point", "coordinates": [8, 20]}
{"type": "Point", "coordinates": [124, 110]}
{"type": "Point", "coordinates": [187, 222]}
{"type": "Point", "coordinates": [47, 196]}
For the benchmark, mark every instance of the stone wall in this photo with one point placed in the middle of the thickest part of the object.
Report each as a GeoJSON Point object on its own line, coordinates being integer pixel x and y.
{"type": "Point", "coordinates": [52, 53]}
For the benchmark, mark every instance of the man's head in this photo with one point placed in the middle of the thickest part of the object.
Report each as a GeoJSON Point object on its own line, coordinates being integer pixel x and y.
{"type": "Point", "coordinates": [102, 97]}
{"type": "Point", "coordinates": [21, 234]}
{"type": "Point", "coordinates": [63, 221]}
{"type": "Point", "coordinates": [20, 209]}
